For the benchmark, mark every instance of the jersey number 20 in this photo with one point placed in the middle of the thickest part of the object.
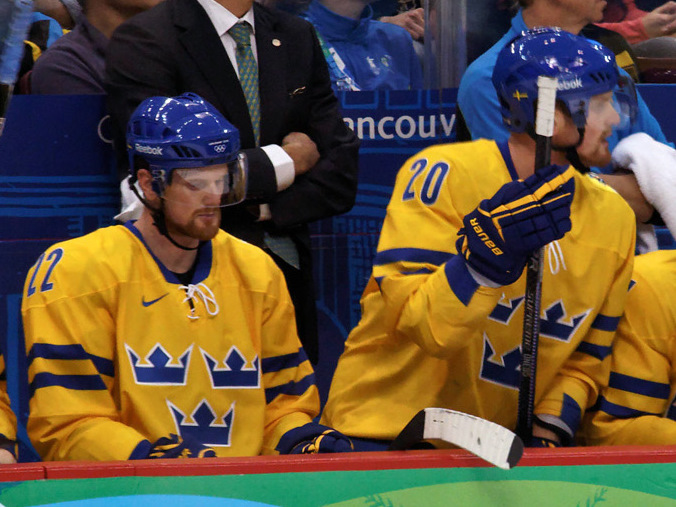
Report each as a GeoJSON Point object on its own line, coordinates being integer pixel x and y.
{"type": "Point", "coordinates": [429, 193]}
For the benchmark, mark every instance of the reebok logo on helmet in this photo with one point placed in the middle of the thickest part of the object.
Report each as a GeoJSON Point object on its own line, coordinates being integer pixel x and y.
{"type": "Point", "coordinates": [573, 84]}
{"type": "Point", "coordinates": [148, 150]}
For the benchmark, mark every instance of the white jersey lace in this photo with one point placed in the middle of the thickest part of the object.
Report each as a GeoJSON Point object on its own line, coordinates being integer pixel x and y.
{"type": "Point", "coordinates": [200, 292]}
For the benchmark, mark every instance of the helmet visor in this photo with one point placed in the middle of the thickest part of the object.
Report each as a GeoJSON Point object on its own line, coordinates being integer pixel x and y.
{"type": "Point", "coordinates": [625, 101]}
{"type": "Point", "coordinates": [217, 185]}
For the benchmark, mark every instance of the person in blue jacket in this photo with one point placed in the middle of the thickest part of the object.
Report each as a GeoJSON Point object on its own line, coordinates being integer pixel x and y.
{"type": "Point", "coordinates": [362, 53]}
{"type": "Point", "coordinates": [478, 99]}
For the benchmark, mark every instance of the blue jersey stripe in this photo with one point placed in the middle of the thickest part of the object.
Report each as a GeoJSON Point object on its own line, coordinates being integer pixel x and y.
{"type": "Point", "coordinates": [290, 388]}
{"type": "Point", "coordinates": [411, 255]}
{"type": "Point", "coordinates": [571, 414]}
{"type": "Point", "coordinates": [460, 280]}
{"type": "Point", "coordinates": [279, 363]}
{"type": "Point", "coordinates": [620, 411]}
{"type": "Point", "coordinates": [75, 382]}
{"type": "Point", "coordinates": [75, 352]}
{"type": "Point", "coordinates": [598, 351]}
{"type": "Point", "coordinates": [639, 386]}
{"type": "Point", "coordinates": [605, 323]}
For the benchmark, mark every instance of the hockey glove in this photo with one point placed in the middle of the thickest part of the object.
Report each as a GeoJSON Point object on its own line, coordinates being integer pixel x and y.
{"type": "Point", "coordinates": [523, 216]}
{"type": "Point", "coordinates": [313, 438]}
{"type": "Point", "coordinates": [177, 447]}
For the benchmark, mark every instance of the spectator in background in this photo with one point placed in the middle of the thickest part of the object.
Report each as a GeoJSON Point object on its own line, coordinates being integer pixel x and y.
{"type": "Point", "coordinates": [50, 19]}
{"type": "Point", "coordinates": [75, 64]}
{"type": "Point", "coordinates": [362, 53]}
{"type": "Point", "coordinates": [104, 314]}
{"type": "Point", "coordinates": [636, 25]}
{"type": "Point", "coordinates": [43, 32]}
{"type": "Point", "coordinates": [290, 6]}
{"type": "Point", "coordinates": [273, 85]}
{"type": "Point", "coordinates": [65, 12]}
{"type": "Point", "coordinates": [477, 98]}
{"type": "Point", "coordinates": [407, 14]}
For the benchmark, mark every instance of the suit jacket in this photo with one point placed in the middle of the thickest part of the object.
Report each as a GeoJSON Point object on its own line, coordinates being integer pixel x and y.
{"type": "Point", "coordinates": [173, 48]}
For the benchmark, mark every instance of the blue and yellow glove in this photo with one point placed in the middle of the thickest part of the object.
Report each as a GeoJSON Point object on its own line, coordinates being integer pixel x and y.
{"type": "Point", "coordinates": [523, 216]}
{"type": "Point", "coordinates": [313, 438]}
{"type": "Point", "coordinates": [174, 446]}
{"type": "Point", "coordinates": [542, 442]}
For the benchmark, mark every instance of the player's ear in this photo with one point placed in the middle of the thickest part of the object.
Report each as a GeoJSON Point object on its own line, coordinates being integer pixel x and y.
{"type": "Point", "coordinates": [565, 132]}
{"type": "Point", "coordinates": [145, 181]}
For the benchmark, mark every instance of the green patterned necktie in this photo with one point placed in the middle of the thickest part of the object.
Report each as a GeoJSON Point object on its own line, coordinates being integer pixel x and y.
{"type": "Point", "coordinates": [281, 245]}
{"type": "Point", "coordinates": [248, 73]}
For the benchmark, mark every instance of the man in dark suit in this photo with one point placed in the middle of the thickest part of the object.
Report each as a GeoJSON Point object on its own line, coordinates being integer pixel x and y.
{"type": "Point", "coordinates": [302, 158]}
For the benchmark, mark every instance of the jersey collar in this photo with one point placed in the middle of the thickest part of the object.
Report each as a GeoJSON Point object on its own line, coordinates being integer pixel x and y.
{"type": "Point", "coordinates": [204, 258]}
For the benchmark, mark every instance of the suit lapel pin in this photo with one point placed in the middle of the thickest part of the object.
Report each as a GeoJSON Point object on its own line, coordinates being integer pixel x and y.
{"type": "Point", "coordinates": [276, 42]}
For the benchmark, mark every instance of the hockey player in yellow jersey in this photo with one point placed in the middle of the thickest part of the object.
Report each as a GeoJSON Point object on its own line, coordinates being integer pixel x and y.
{"type": "Point", "coordinates": [637, 407]}
{"type": "Point", "coordinates": [442, 311]}
{"type": "Point", "coordinates": [7, 421]}
{"type": "Point", "coordinates": [167, 337]}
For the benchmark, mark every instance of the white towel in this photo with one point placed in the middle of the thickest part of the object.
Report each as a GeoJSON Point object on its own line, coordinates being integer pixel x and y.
{"type": "Point", "coordinates": [131, 204]}
{"type": "Point", "coordinates": [654, 165]}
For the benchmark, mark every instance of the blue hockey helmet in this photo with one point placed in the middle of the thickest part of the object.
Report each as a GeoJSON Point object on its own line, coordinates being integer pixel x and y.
{"type": "Point", "coordinates": [185, 133]}
{"type": "Point", "coordinates": [584, 68]}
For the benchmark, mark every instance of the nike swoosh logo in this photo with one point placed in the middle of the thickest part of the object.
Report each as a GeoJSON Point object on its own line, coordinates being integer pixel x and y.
{"type": "Point", "coordinates": [148, 303]}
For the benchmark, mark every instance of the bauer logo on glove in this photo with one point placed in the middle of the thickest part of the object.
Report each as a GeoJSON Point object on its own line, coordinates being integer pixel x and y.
{"type": "Point", "coordinates": [523, 216]}
{"type": "Point", "coordinates": [484, 237]}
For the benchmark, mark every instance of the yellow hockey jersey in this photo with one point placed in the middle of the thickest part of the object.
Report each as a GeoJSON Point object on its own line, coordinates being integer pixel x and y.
{"type": "Point", "coordinates": [7, 418]}
{"type": "Point", "coordinates": [636, 408]}
{"type": "Point", "coordinates": [429, 336]}
{"type": "Point", "coordinates": [119, 352]}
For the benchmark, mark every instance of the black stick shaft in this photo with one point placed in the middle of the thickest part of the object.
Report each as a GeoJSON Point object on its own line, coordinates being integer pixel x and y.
{"type": "Point", "coordinates": [531, 318]}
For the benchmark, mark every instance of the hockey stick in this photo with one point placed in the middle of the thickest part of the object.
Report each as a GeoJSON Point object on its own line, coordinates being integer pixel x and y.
{"type": "Point", "coordinates": [544, 129]}
{"type": "Point", "coordinates": [489, 441]}
{"type": "Point", "coordinates": [15, 20]}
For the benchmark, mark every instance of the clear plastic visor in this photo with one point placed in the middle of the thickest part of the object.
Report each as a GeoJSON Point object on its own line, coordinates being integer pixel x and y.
{"type": "Point", "coordinates": [217, 185]}
{"type": "Point", "coordinates": [626, 102]}
{"type": "Point", "coordinates": [605, 112]}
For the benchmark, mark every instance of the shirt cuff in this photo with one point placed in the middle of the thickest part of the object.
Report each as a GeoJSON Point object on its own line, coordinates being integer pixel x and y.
{"type": "Point", "coordinates": [283, 164]}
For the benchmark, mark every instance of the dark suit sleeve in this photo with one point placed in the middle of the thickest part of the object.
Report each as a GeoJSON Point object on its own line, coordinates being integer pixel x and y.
{"type": "Point", "coordinates": [137, 67]}
{"type": "Point", "coordinates": [330, 187]}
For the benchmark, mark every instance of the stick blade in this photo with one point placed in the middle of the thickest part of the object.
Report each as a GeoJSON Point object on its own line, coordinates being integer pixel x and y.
{"type": "Point", "coordinates": [489, 441]}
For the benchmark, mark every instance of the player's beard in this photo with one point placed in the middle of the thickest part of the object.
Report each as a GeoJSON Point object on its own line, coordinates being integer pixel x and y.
{"type": "Point", "coordinates": [198, 227]}
{"type": "Point", "coordinates": [599, 156]}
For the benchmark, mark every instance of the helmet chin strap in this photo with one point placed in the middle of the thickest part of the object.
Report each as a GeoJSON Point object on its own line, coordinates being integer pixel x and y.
{"type": "Point", "coordinates": [159, 219]}
{"type": "Point", "coordinates": [160, 222]}
{"type": "Point", "coordinates": [571, 152]}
